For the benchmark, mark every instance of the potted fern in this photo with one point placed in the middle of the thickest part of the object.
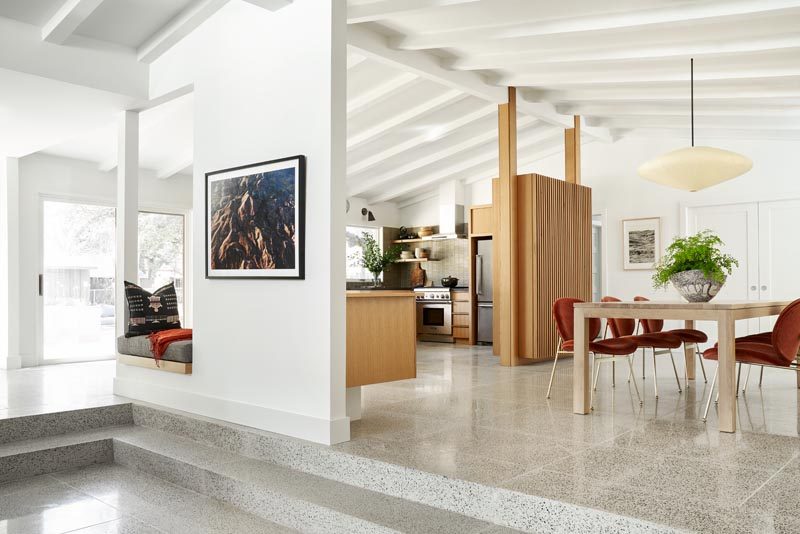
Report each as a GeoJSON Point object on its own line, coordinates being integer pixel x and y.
{"type": "Point", "coordinates": [695, 266]}
{"type": "Point", "coordinates": [374, 259]}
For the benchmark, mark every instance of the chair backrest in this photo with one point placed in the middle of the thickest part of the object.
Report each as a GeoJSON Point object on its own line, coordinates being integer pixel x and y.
{"type": "Point", "coordinates": [620, 327]}
{"type": "Point", "coordinates": [650, 326]}
{"type": "Point", "coordinates": [786, 334]}
{"type": "Point", "coordinates": [564, 316]}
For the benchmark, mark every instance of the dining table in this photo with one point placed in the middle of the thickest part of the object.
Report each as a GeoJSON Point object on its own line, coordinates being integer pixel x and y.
{"type": "Point", "coordinates": [723, 313]}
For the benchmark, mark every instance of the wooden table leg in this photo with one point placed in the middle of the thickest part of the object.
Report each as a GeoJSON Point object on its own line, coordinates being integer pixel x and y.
{"type": "Point", "coordinates": [580, 368]}
{"type": "Point", "coordinates": [727, 373]}
{"type": "Point", "coordinates": [689, 353]}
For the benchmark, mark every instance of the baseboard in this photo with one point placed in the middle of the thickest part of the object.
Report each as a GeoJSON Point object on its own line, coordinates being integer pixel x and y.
{"type": "Point", "coordinates": [327, 432]}
{"type": "Point", "coordinates": [11, 362]}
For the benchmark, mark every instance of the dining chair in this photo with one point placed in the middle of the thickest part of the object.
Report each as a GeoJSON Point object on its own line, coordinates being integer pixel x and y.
{"type": "Point", "coordinates": [688, 336]}
{"type": "Point", "coordinates": [659, 343]}
{"type": "Point", "coordinates": [779, 352]}
{"type": "Point", "coordinates": [602, 350]}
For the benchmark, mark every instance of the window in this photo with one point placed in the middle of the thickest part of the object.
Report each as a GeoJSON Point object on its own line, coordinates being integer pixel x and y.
{"type": "Point", "coordinates": [161, 252]}
{"type": "Point", "coordinates": [355, 272]}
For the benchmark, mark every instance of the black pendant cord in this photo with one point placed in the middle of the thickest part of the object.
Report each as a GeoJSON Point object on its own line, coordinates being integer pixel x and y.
{"type": "Point", "coordinates": [691, 74]}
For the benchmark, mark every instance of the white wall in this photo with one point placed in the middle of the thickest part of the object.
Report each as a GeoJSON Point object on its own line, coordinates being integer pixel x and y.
{"type": "Point", "coordinates": [267, 353]}
{"type": "Point", "coordinates": [69, 179]}
{"type": "Point", "coordinates": [386, 213]}
{"type": "Point", "coordinates": [619, 193]}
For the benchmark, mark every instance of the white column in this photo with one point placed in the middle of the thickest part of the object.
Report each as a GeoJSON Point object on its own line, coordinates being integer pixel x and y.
{"type": "Point", "coordinates": [9, 264]}
{"type": "Point", "coordinates": [127, 211]}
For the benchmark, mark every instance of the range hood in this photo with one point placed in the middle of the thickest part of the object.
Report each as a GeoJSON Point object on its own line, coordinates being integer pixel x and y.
{"type": "Point", "coordinates": [451, 211]}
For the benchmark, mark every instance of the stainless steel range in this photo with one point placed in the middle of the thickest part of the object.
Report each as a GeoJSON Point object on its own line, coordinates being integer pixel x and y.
{"type": "Point", "coordinates": [434, 314]}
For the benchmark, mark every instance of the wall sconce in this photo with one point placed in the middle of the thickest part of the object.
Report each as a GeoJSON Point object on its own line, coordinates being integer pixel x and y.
{"type": "Point", "coordinates": [368, 214]}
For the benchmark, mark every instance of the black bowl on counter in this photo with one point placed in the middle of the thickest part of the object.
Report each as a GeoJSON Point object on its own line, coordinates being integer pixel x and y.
{"type": "Point", "coordinates": [449, 281]}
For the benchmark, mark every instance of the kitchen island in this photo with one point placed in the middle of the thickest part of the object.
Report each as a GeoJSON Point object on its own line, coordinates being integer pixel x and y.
{"type": "Point", "coordinates": [381, 340]}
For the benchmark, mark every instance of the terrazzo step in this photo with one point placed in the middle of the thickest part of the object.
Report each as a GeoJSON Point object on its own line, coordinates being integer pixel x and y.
{"type": "Point", "coordinates": [291, 498]}
{"type": "Point", "coordinates": [27, 427]}
{"type": "Point", "coordinates": [494, 505]}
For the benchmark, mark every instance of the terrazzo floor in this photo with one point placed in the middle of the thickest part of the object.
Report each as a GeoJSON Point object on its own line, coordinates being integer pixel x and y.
{"type": "Point", "coordinates": [466, 416]}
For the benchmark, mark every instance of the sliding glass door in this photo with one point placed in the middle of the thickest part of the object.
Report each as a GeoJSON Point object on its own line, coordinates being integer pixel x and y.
{"type": "Point", "coordinates": [78, 277]}
{"type": "Point", "coordinates": [77, 283]}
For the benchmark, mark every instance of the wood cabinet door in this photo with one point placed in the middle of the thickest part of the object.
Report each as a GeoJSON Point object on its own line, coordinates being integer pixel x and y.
{"type": "Point", "coordinates": [779, 255]}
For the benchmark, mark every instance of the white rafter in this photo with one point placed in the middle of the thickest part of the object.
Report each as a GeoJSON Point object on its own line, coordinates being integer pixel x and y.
{"type": "Point", "coordinates": [464, 165]}
{"type": "Point", "coordinates": [438, 102]}
{"type": "Point", "coordinates": [397, 171]}
{"type": "Point", "coordinates": [271, 5]}
{"type": "Point", "coordinates": [378, 157]}
{"type": "Point", "coordinates": [682, 121]}
{"type": "Point", "coordinates": [67, 19]}
{"type": "Point", "coordinates": [427, 195]}
{"type": "Point", "coordinates": [381, 9]}
{"type": "Point", "coordinates": [383, 91]}
{"type": "Point", "coordinates": [582, 24]}
{"type": "Point", "coordinates": [425, 65]}
{"type": "Point", "coordinates": [175, 166]}
{"type": "Point", "coordinates": [178, 28]}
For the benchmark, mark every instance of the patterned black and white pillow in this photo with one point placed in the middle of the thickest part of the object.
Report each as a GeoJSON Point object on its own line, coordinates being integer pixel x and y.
{"type": "Point", "coordinates": [151, 312]}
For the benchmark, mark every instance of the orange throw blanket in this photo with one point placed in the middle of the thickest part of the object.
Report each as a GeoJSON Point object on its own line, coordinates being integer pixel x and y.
{"type": "Point", "coordinates": [159, 341]}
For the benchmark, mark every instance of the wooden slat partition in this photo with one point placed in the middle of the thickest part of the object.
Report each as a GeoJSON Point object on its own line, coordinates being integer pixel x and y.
{"type": "Point", "coordinates": [498, 298]}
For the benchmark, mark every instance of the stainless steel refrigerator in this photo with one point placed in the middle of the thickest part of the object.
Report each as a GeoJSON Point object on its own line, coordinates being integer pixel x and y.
{"type": "Point", "coordinates": [483, 290]}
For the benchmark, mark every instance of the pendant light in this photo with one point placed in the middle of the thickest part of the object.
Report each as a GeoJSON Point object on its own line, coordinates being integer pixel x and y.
{"type": "Point", "coordinates": [696, 167]}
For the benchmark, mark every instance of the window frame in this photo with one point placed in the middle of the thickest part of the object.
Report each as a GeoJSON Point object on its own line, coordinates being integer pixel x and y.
{"type": "Point", "coordinates": [379, 237]}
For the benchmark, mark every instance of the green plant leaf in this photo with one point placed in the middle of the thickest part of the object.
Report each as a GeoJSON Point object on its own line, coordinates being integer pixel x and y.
{"type": "Point", "coordinates": [701, 251]}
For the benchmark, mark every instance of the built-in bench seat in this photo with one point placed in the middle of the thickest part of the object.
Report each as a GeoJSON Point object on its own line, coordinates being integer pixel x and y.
{"type": "Point", "coordinates": [136, 351]}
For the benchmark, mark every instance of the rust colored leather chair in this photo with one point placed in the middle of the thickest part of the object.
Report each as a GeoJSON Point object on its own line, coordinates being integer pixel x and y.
{"type": "Point", "coordinates": [659, 343]}
{"type": "Point", "coordinates": [688, 336]}
{"type": "Point", "coordinates": [780, 352]}
{"type": "Point", "coordinates": [606, 349]}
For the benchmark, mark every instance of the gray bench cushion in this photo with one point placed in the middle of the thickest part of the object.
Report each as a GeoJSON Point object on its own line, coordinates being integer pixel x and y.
{"type": "Point", "coordinates": [179, 351]}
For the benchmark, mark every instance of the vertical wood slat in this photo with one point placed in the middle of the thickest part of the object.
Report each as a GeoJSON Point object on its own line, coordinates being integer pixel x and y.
{"type": "Point", "coordinates": [506, 242]}
{"type": "Point", "coordinates": [572, 152]}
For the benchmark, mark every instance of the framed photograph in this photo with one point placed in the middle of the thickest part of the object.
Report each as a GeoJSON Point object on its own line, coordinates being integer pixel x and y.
{"type": "Point", "coordinates": [255, 220]}
{"type": "Point", "coordinates": [641, 243]}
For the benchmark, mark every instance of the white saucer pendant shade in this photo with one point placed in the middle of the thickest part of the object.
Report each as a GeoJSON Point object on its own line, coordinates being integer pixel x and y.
{"type": "Point", "coordinates": [695, 168]}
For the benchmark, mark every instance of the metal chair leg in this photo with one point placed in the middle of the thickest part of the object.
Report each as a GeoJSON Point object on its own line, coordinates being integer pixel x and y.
{"type": "Point", "coordinates": [675, 369]}
{"type": "Point", "coordinates": [635, 387]}
{"type": "Point", "coordinates": [655, 374]}
{"type": "Point", "coordinates": [761, 376]}
{"type": "Point", "coordinates": [614, 373]}
{"type": "Point", "coordinates": [710, 394]}
{"type": "Point", "coordinates": [747, 379]}
{"type": "Point", "coordinates": [553, 372]}
{"type": "Point", "coordinates": [702, 365]}
{"type": "Point", "coordinates": [738, 377]}
{"type": "Point", "coordinates": [644, 357]}
{"type": "Point", "coordinates": [596, 374]}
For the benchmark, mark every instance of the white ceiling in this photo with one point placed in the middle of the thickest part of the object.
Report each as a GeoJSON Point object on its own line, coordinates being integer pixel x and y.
{"type": "Point", "coordinates": [425, 77]}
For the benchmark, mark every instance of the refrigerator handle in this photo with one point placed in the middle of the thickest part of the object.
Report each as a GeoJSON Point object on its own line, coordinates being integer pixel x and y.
{"type": "Point", "coordinates": [478, 274]}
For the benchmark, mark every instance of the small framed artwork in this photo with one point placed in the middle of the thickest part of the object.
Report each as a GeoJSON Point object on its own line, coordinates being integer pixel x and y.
{"type": "Point", "coordinates": [641, 243]}
{"type": "Point", "coordinates": [255, 220]}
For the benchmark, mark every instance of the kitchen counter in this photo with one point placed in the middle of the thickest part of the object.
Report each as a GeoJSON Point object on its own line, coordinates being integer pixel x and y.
{"type": "Point", "coordinates": [381, 336]}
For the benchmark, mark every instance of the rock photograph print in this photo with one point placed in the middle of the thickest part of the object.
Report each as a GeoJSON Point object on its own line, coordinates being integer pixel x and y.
{"type": "Point", "coordinates": [254, 218]}
{"type": "Point", "coordinates": [641, 243]}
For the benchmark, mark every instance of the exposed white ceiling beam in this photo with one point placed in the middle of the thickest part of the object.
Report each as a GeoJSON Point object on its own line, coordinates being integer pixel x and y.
{"type": "Point", "coordinates": [381, 9]}
{"type": "Point", "coordinates": [680, 13]}
{"type": "Point", "coordinates": [642, 75]}
{"type": "Point", "coordinates": [545, 109]}
{"type": "Point", "coordinates": [358, 139]}
{"type": "Point", "coordinates": [444, 130]}
{"type": "Point", "coordinates": [464, 165]}
{"type": "Point", "coordinates": [271, 5]}
{"type": "Point", "coordinates": [178, 28]}
{"type": "Point", "coordinates": [93, 64]}
{"type": "Point", "coordinates": [701, 134]}
{"type": "Point", "coordinates": [175, 166]}
{"type": "Point", "coordinates": [67, 19]}
{"type": "Point", "coordinates": [709, 108]}
{"type": "Point", "coordinates": [428, 66]}
{"type": "Point", "coordinates": [682, 121]}
{"type": "Point", "coordinates": [525, 58]}
{"type": "Point", "coordinates": [381, 92]}
{"type": "Point", "coordinates": [353, 60]}
{"type": "Point", "coordinates": [416, 199]}
{"type": "Point", "coordinates": [397, 171]}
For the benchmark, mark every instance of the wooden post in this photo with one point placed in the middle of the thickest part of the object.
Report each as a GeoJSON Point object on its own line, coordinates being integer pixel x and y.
{"type": "Point", "coordinates": [506, 241]}
{"type": "Point", "coordinates": [572, 152]}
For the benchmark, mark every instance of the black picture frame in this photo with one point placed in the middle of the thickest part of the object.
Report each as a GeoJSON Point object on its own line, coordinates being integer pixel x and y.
{"type": "Point", "coordinates": [297, 162]}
